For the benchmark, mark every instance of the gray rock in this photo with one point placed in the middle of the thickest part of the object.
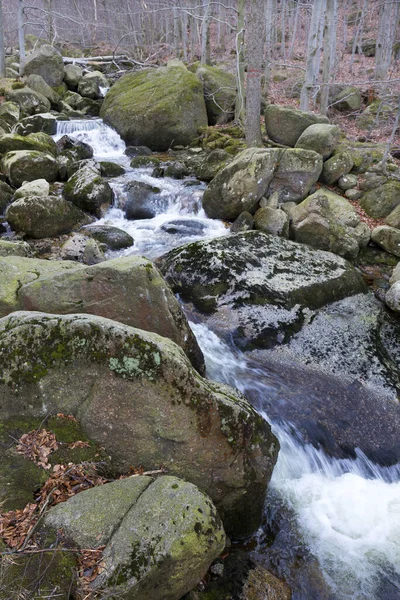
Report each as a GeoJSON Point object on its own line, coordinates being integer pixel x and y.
{"type": "Point", "coordinates": [335, 167]}
{"type": "Point", "coordinates": [285, 125]}
{"type": "Point", "coordinates": [33, 141]}
{"type": "Point", "coordinates": [393, 219]}
{"type": "Point", "coordinates": [29, 101]}
{"type": "Point", "coordinates": [370, 181]}
{"type": "Point", "coordinates": [90, 85]}
{"type": "Point", "coordinates": [395, 275]}
{"type": "Point", "coordinates": [38, 187]}
{"type": "Point", "coordinates": [321, 138]}
{"type": "Point", "coordinates": [296, 173]}
{"type": "Point", "coordinates": [10, 112]}
{"type": "Point", "coordinates": [269, 220]}
{"type": "Point", "coordinates": [348, 99]}
{"type": "Point", "coordinates": [72, 75]}
{"type": "Point", "coordinates": [8, 248]}
{"type": "Point", "coordinates": [392, 297]}
{"type": "Point", "coordinates": [212, 164]}
{"type": "Point", "coordinates": [347, 182]}
{"type": "Point", "coordinates": [47, 62]}
{"type": "Point", "coordinates": [89, 191]}
{"type": "Point", "coordinates": [162, 530]}
{"type": "Point", "coordinates": [38, 84]}
{"type": "Point", "coordinates": [127, 386]}
{"type": "Point", "coordinates": [82, 249]}
{"type": "Point", "coordinates": [379, 203]}
{"type": "Point", "coordinates": [27, 165]}
{"type": "Point", "coordinates": [112, 237]}
{"type": "Point", "coordinates": [219, 93]}
{"type": "Point", "coordinates": [6, 194]}
{"type": "Point", "coordinates": [244, 222]}
{"type": "Point", "coordinates": [44, 122]}
{"type": "Point", "coordinates": [387, 238]}
{"type": "Point", "coordinates": [140, 200]}
{"type": "Point", "coordinates": [44, 216]}
{"type": "Point", "coordinates": [353, 194]}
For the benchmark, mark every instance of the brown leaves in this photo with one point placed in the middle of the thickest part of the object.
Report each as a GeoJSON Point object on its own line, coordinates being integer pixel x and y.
{"type": "Point", "coordinates": [91, 564]}
{"type": "Point", "coordinates": [37, 446]}
{"type": "Point", "coordinates": [15, 525]}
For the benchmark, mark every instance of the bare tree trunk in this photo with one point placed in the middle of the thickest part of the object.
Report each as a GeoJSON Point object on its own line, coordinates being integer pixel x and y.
{"type": "Point", "coordinates": [312, 55]}
{"type": "Point", "coordinates": [294, 30]}
{"type": "Point", "coordinates": [328, 74]}
{"type": "Point", "coordinates": [240, 98]}
{"type": "Point", "coordinates": [176, 31]}
{"type": "Point", "coordinates": [185, 42]}
{"type": "Point", "coordinates": [388, 19]}
{"type": "Point", "coordinates": [2, 44]}
{"type": "Point", "coordinates": [357, 43]}
{"type": "Point", "coordinates": [205, 32]}
{"type": "Point", "coordinates": [255, 31]}
{"type": "Point", "coordinates": [21, 36]}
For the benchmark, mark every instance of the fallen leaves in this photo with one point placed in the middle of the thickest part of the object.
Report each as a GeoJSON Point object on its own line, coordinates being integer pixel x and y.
{"type": "Point", "coordinates": [37, 446]}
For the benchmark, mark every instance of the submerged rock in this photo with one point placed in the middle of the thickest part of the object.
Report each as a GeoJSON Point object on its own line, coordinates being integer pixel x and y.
{"type": "Point", "coordinates": [161, 535]}
{"type": "Point", "coordinates": [136, 394]}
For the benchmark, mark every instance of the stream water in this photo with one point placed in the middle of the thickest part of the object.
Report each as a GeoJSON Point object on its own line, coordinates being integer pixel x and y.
{"type": "Point", "coordinates": [343, 513]}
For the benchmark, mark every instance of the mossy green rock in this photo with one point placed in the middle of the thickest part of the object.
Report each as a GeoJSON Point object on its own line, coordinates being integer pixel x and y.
{"type": "Point", "coordinates": [111, 169]}
{"type": "Point", "coordinates": [19, 477]}
{"type": "Point", "coordinates": [89, 191]}
{"type": "Point", "coordinates": [6, 194]}
{"type": "Point", "coordinates": [8, 248]}
{"type": "Point", "coordinates": [33, 141]}
{"type": "Point", "coordinates": [90, 85]}
{"type": "Point", "coordinates": [219, 93]}
{"type": "Point", "coordinates": [393, 219]}
{"type": "Point", "coordinates": [271, 221]}
{"type": "Point", "coordinates": [285, 125]}
{"type": "Point", "coordinates": [29, 101]}
{"type": "Point", "coordinates": [212, 164]}
{"type": "Point", "coordinates": [328, 221]}
{"type": "Point", "coordinates": [128, 289]}
{"type": "Point", "coordinates": [10, 112]}
{"type": "Point", "coordinates": [45, 122]}
{"type": "Point", "coordinates": [335, 167]}
{"type": "Point", "coordinates": [321, 138]}
{"type": "Point", "coordinates": [296, 173]}
{"type": "Point", "coordinates": [38, 187]}
{"type": "Point", "coordinates": [47, 62]}
{"type": "Point", "coordinates": [44, 216]}
{"type": "Point", "coordinates": [173, 116]}
{"type": "Point", "coordinates": [240, 186]}
{"type": "Point", "coordinates": [72, 75]}
{"type": "Point", "coordinates": [136, 395]}
{"type": "Point", "coordinates": [348, 99]}
{"type": "Point", "coordinates": [161, 535]}
{"type": "Point", "coordinates": [38, 84]}
{"type": "Point", "coordinates": [380, 202]}
{"type": "Point", "coordinates": [28, 165]}
{"type": "Point", "coordinates": [387, 238]}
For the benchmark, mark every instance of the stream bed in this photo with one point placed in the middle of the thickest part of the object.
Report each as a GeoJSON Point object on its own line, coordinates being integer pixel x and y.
{"type": "Point", "coordinates": [340, 513]}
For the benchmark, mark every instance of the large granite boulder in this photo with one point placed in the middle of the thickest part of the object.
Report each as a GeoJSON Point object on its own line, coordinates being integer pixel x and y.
{"type": "Point", "coordinates": [328, 221]}
{"type": "Point", "coordinates": [38, 187]}
{"type": "Point", "coordinates": [321, 138]}
{"type": "Point", "coordinates": [33, 141]}
{"type": "Point", "coordinates": [336, 167]}
{"type": "Point", "coordinates": [11, 248]}
{"type": "Point", "coordinates": [136, 394]}
{"type": "Point", "coordinates": [256, 172]}
{"type": "Point", "coordinates": [72, 75]}
{"type": "Point", "coordinates": [285, 125]}
{"type": "Point", "coordinates": [10, 113]}
{"type": "Point", "coordinates": [257, 288]}
{"type": "Point", "coordinates": [38, 84]}
{"type": "Point", "coordinates": [387, 238]}
{"type": "Point", "coordinates": [6, 194]}
{"type": "Point", "coordinates": [89, 191]}
{"type": "Point", "coordinates": [47, 62]}
{"type": "Point", "coordinates": [44, 216]}
{"type": "Point", "coordinates": [161, 535]}
{"type": "Point", "coordinates": [113, 237]}
{"type": "Point", "coordinates": [348, 99]}
{"type": "Point", "coordinates": [28, 165]}
{"type": "Point", "coordinates": [29, 101]}
{"type": "Point", "coordinates": [219, 93]}
{"type": "Point", "coordinates": [173, 116]}
{"type": "Point", "coordinates": [43, 122]}
{"type": "Point", "coordinates": [127, 289]}
{"type": "Point", "coordinates": [380, 202]}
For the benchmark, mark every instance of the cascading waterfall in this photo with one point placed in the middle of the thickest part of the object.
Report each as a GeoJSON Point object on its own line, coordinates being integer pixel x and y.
{"type": "Point", "coordinates": [347, 511]}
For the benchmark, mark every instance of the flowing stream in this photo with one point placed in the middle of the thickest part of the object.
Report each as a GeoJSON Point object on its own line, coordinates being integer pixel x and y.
{"type": "Point", "coordinates": [345, 513]}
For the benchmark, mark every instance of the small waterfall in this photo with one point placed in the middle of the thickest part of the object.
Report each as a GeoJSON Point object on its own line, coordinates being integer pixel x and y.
{"type": "Point", "coordinates": [105, 141]}
{"type": "Point", "coordinates": [348, 511]}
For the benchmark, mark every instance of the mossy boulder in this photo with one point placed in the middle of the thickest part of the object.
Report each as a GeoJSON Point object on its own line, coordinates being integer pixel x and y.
{"type": "Point", "coordinates": [174, 115]}
{"type": "Point", "coordinates": [82, 249]}
{"type": "Point", "coordinates": [73, 150]}
{"type": "Point", "coordinates": [111, 169]}
{"type": "Point", "coordinates": [296, 173]}
{"type": "Point", "coordinates": [328, 221]}
{"type": "Point", "coordinates": [38, 84]}
{"type": "Point", "coordinates": [127, 289]}
{"type": "Point", "coordinates": [219, 93]}
{"type": "Point", "coordinates": [270, 220]}
{"type": "Point", "coordinates": [320, 137]}
{"type": "Point", "coordinates": [72, 75]}
{"type": "Point", "coordinates": [33, 141]}
{"type": "Point", "coordinates": [380, 202]}
{"type": "Point", "coordinates": [29, 101]}
{"type": "Point", "coordinates": [41, 216]}
{"type": "Point", "coordinates": [89, 191]}
{"type": "Point", "coordinates": [44, 122]}
{"type": "Point", "coordinates": [136, 395]}
{"type": "Point", "coordinates": [285, 125]}
{"type": "Point", "coordinates": [6, 194]}
{"type": "Point", "coordinates": [240, 186]}
{"type": "Point", "coordinates": [38, 187]}
{"type": "Point", "coordinates": [393, 219]}
{"type": "Point", "coordinates": [8, 248]}
{"type": "Point", "coordinates": [335, 167]}
{"type": "Point", "coordinates": [212, 164]}
{"type": "Point", "coordinates": [28, 165]}
{"type": "Point", "coordinates": [348, 99]}
{"type": "Point", "coordinates": [47, 62]}
{"type": "Point", "coordinates": [113, 237]}
{"type": "Point", "coordinates": [10, 112]}
{"type": "Point", "coordinates": [387, 238]}
{"type": "Point", "coordinates": [92, 85]}
{"type": "Point", "coordinates": [162, 530]}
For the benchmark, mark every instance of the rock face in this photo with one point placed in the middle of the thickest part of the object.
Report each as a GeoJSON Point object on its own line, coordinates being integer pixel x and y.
{"type": "Point", "coordinates": [47, 62]}
{"type": "Point", "coordinates": [285, 125]}
{"type": "Point", "coordinates": [160, 535]}
{"type": "Point", "coordinates": [256, 287]}
{"type": "Point", "coordinates": [327, 221]}
{"type": "Point", "coordinates": [256, 172]}
{"type": "Point", "coordinates": [28, 165]}
{"type": "Point", "coordinates": [219, 93]}
{"type": "Point", "coordinates": [128, 289]}
{"type": "Point", "coordinates": [44, 216]}
{"type": "Point", "coordinates": [136, 394]}
{"type": "Point", "coordinates": [175, 113]}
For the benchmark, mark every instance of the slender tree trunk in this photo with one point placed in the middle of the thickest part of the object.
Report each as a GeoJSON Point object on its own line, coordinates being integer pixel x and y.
{"type": "Point", "coordinates": [312, 55]}
{"type": "Point", "coordinates": [294, 30]}
{"type": "Point", "coordinates": [21, 36]}
{"type": "Point", "coordinates": [328, 73]}
{"type": "Point", "coordinates": [255, 31]}
{"type": "Point", "coordinates": [176, 32]}
{"type": "Point", "coordinates": [205, 32]}
{"type": "Point", "coordinates": [388, 20]}
{"type": "Point", "coordinates": [2, 44]}
{"type": "Point", "coordinates": [357, 43]}
{"type": "Point", "coordinates": [240, 98]}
